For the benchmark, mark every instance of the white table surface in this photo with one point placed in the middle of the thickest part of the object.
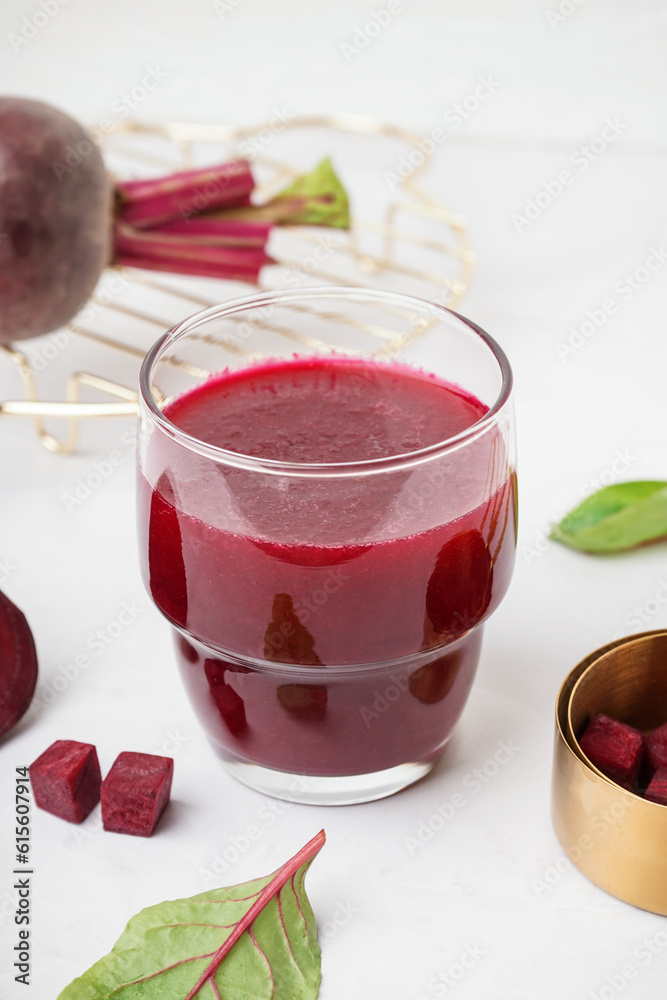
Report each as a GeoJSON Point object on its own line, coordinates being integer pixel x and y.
{"type": "Point", "coordinates": [394, 922]}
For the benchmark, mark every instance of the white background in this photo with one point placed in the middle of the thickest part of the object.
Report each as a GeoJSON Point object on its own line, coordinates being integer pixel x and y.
{"type": "Point", "coordinates": [487, 880]}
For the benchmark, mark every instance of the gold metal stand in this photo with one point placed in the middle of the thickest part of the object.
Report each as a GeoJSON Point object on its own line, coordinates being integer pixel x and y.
{"type": "Point", "coordinates": [416, 245]}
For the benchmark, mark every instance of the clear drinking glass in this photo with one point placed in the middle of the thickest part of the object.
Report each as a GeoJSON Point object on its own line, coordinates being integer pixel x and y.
{"type": "Point", "coordinates": [328, 616]}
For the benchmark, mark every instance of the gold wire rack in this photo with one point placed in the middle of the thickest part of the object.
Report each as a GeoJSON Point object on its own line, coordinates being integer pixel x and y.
{"type": "Point", "coordinates": [405, 240]}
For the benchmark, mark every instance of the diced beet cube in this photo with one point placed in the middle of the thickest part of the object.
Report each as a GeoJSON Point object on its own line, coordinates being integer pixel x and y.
{"type": "Point", "coordinates": [66, 780]}
{"type": "Point", "coordinates": [135, 793]}
{"type": "Point", "coordinates": [655, 747]}
{"type": "Point", "coordinates": [657, 789]}
{"type": "Point", "coordinates": [615, 748]}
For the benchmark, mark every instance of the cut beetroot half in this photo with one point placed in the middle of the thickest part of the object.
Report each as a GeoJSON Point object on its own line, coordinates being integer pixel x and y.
{"type": "Point", "coordinates": [18, 665]}
{"type": "Point", "coordinates": [615, 748]}
{"type": "Point", "coordinates": [657, 789]}
{"type": "Point", "coordinates": [66, 780]}
{"type": "Point", "coordinates": [655, 747]}
{"type": "Point", "coordinates": [135, 793]}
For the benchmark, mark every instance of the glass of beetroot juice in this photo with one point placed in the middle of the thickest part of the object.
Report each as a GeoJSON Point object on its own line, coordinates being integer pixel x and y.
{"type": "Point", "coordinates": [327, 515]}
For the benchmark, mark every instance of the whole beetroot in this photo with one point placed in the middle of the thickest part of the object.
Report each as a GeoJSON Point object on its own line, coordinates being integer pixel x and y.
{"type": "Point", "coordinates": [55, 218]}
{"type": "Point", "coordinates": [63, 220]}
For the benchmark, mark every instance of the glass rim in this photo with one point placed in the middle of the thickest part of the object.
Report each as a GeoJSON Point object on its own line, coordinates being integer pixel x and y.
{"type": "Point", "coordinates": [319, 469]}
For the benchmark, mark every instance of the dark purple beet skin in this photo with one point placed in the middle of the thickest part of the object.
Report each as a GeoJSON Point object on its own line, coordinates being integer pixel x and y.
{"type": "Point", "coordinates": [615, 748]}
{"type": "Point", "coordinates": [55, 218]}
{"type": "Point", "coordinates": [18, 665]}
{"type": "Point", "coordinates": [66, 780]}
{"type": "Point", "coordinates": [135, 793]}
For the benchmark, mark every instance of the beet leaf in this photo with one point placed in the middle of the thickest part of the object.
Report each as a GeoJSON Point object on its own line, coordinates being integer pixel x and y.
{"type": "Point", "coordinates": [616, 518]}
{"type": "Point", "coordinates": [257, 939]}
{"type": "Point", "coordinates": [314, 199]}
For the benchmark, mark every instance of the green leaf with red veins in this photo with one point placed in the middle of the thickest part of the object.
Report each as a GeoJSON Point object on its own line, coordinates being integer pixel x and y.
{"type": "Point", "coordinates": [246, 942]}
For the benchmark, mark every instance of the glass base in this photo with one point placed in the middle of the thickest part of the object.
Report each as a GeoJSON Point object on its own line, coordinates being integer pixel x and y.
{"type": "Point", "coordinates": [315, 790]}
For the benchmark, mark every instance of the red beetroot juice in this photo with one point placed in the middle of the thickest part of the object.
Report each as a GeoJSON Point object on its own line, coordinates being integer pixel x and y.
{"type": "Point", "coordinates": [328, 626]}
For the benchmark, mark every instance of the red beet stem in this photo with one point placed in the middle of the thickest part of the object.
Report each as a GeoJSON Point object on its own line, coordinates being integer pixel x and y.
{"type": "Point", "coordinates": [281, 210]}
{"type": "Point", "coordinates": [280, 879]}
{"type": "Point", "coordinates": [190, 192]}
{"type": "Point", "coordinates": [157, 243]}
{"type": "Point", "coordinates": [201, 270]}
{"type": "Point", "coordinates": [221, 232]}
{"type": "Point", "coordinates": [157, 250]}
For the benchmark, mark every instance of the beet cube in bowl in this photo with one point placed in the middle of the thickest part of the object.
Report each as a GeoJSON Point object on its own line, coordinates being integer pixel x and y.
{"type": "Point", "coordinates": [657, 789]}
{"type": "Point", "coordinates": [135, 793]}
{"type": "Point", "coordinates": [655, 747]}
{"type": "Point", "coordinates": [66, 780]}
{"type": "Point", "coordinates": [615, 748]}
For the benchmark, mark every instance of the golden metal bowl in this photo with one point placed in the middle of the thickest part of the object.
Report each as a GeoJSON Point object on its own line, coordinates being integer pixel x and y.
{"type": "Point", "coordinates": [614, 837]}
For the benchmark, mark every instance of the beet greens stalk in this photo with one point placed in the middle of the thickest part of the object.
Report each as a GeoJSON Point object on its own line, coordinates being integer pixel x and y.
{"type": "Point", "coordinates": [191, 253]}
{"type": "Point", "coordinates": [202, 222]}
{"type": "Point", "coordinates": [149, 203]}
